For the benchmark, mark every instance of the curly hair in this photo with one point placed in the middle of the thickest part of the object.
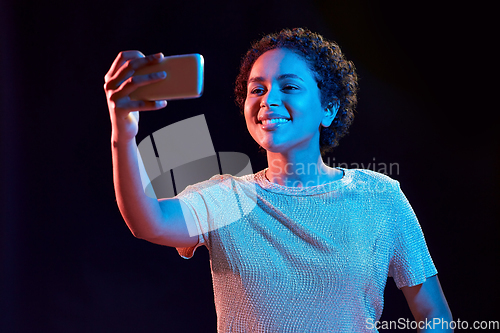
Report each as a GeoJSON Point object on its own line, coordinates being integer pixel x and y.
{"type": "Point", "coordinates": [336, 77]}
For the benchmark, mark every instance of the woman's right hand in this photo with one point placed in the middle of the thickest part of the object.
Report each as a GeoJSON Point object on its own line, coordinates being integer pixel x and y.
{"type": "Point", "coordinates": [120, 82]}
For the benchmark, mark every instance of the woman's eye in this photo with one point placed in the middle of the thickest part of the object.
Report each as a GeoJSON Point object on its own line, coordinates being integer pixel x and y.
{"type": "Point", "coordinates": [256, 91]}
{"type": "Point", "coordinates": [290, 87]}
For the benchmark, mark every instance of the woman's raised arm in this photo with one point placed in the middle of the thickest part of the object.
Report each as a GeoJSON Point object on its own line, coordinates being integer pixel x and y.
{"type": "Point", "coordinates": [163, 222]}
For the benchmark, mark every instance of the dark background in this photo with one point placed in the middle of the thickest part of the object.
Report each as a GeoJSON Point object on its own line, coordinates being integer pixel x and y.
{"type": "Point", "coordinates": [68, 261]}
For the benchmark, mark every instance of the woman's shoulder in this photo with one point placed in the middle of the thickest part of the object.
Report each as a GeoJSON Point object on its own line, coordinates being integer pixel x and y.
{"type": "Point", "coordinates": [227, 179]}
{"type": "Point", "coordinates": [372, 175]}
{"type": "Point", "coordinates": [221, 183]}
{"type": "Point", "coordinates": [373, 180]}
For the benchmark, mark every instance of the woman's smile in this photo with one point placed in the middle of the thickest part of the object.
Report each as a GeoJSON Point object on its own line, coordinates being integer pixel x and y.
{"type": "Point", "coordinates": [273, 124]}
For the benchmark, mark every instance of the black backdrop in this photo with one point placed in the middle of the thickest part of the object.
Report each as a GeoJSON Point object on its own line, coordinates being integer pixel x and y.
{"type": "Point", "coordinates": [68, 262]}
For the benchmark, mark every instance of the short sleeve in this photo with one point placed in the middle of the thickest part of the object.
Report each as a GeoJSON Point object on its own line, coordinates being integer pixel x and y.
{"type": "Point", "coordinates": [188, 252]}
{"type": "Point", "coordinates": [215, 203]}
{"type": "Point", "coordinates": [193, 200]}
{"type": "Point", "coordinates": [411, 263]}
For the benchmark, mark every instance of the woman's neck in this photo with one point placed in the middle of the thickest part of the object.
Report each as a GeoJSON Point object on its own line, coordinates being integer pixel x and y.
{"type": "Point", "coordinates": [299, 170]}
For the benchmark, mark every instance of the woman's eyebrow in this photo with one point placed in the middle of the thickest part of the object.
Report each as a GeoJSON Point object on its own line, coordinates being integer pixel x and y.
{"type": "Point", "coordinates": [281, 77]}
{"type": "Point", "coordinates": [256, 79]}
{"type": "Point", "coordinates": [289, 76]}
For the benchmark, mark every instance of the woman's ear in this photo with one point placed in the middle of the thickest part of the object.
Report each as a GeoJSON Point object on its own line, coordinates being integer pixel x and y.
{"type": "Point", "coordinates": [330, 112]}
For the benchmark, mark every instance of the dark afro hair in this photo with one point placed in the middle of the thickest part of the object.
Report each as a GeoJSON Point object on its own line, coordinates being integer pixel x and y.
{"type": "Point", "coordinates": [336, 77]}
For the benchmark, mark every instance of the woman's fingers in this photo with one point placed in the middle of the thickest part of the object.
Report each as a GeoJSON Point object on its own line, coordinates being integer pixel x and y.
{"type": "Point", "coordinates": [120, 59]}
{"type": "Point", "coordinates": [133, 82]}
{"type": "Point", "coordinates": [120, 82]}
{"type": "Point", "coordinates": [128, 68]}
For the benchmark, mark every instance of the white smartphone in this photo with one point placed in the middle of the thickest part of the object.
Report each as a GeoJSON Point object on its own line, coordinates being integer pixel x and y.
{"type": "Point", "coordinates": [184, 79]}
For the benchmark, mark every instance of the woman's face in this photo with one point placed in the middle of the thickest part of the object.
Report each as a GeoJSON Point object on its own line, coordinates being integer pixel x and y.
{"type": "Point", "coordinates": [283, 108]}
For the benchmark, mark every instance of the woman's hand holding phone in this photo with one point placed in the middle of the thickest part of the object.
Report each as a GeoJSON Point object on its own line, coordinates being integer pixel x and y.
{"type": "Point", "coordinates": [120, 82]}
{"type": "Point", "coordinates": [145, 217]}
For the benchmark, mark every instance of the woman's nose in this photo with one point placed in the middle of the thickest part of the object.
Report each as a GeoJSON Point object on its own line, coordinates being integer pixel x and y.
{"type": "Point", "coordinates": [271, 98]}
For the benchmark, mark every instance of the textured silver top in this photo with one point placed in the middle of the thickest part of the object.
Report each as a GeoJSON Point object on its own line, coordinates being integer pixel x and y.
{"type": "Point", "coordinates": [310, 259]}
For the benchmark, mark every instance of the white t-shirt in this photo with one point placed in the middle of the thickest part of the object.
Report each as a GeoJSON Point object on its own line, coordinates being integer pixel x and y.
{"type": "Point", "coordinates": [305, 259]}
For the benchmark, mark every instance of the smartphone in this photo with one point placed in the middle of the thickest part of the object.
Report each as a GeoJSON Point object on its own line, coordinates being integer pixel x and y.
{"type": "Point", "coordinates": [184, 79]}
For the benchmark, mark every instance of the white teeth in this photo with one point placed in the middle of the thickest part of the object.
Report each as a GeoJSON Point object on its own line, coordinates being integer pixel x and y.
{"type": "Point", "coordinates": [274, 121]}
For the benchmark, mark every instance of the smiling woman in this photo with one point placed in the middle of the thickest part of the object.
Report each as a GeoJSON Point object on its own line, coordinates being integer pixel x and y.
{"type": "Point", "coordinates": [284, 108]}
{"type": "Point", "coordinates": [335, 76]}
{"type": "Point", "coordinates": [284, 113]}
{"type": "Point", "coordinates": [298, 246]}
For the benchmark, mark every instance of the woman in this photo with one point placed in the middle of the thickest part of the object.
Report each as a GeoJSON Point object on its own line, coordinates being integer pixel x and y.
{"type": "Point", "coordinates": [299, 246]}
